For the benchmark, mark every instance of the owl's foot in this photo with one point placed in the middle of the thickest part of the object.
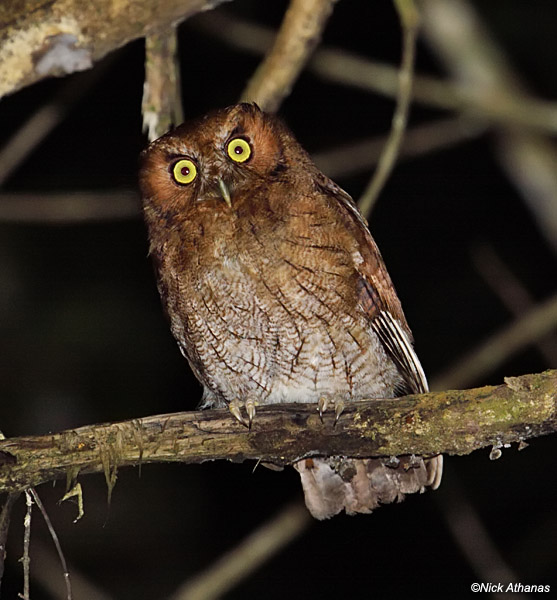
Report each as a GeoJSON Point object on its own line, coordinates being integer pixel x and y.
{"type": "Point", "coordinates": [323, 404]}
{"type": "Point", "coordinates": [235, 407]}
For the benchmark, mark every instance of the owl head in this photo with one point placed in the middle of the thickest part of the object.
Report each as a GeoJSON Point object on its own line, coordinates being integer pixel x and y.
{"type": "Point", "coordinates": [210, 163]}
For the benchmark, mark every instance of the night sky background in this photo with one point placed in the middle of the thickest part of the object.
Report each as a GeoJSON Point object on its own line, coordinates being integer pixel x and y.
{"type": "Point", "coordinates": [83, 338]}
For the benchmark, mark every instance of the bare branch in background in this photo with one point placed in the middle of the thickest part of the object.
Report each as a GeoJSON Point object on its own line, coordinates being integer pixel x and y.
{"type": "Point", "coordinates": [536, 324]}
{"type": "Point", "coordinates": [530, 162]}
{"type": "Point", "coordinates": [46, 574]}
{"type": "Point", "coordinates": [257, 548]}
{"type": "Point", "coordinates": [162, 99]}
{"type": "Point", "coordinates": [471, 535]}
{"type": "Point", "coordinates": [69, 208]}
{"type": "Point", "coordinates": [409, 20]}
{"type": "Point", "coordinates": [343, 68]}
{"type": "Point", "coordinates": [497, 275]}
{"type": "Point", "coordinates": [360, 156]}
{"type": "Point", "coordinates": [43, 121]}
{"type": "Point", "coordinates": [300, 32]}
{"type": "Point", "coordinates": [453, 422]}
{"type": "Point", "coordinates": [480, 68]}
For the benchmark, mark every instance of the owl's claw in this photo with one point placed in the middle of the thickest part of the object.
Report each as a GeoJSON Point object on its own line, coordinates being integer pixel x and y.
{"type": "Point", "coordinates": [235, 410]}
{"type": "Point", "coordinates": [250, 409]}
{"type": "Point", "coordinates": [322, 406]}
{"type": "Point", "coordinates": [339, 409]}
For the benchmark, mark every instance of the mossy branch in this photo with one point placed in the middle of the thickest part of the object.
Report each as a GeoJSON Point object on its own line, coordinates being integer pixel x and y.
{"type": "Point", "coordinates": [450, 422]}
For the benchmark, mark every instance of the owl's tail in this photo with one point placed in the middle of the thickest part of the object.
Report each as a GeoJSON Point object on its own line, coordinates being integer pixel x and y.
{"type": "Point", "coordinates": [361, 485]}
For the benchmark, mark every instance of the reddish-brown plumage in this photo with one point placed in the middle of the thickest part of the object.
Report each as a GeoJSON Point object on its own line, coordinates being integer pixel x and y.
{"type": "Point", "coordinates": [275, 289]}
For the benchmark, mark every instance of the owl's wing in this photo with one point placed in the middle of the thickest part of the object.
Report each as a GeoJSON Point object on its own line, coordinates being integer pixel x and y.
{"type": "Point", "coordinates": [398, 345]}
{"type": "Point", "coordinates": [378, 299]}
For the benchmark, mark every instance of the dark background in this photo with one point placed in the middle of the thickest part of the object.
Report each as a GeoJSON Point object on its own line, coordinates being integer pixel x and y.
{"type": "Point", "coordinates": [83, 338]}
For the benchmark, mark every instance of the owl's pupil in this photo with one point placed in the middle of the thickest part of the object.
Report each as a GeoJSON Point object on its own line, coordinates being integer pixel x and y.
{"type": "Point", "coordinates": [185, 171]}
{"type": "Point", "coordinates": [238, 150]}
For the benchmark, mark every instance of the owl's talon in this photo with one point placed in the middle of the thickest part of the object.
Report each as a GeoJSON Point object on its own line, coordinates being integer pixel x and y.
{"type": "Point", "coordinates": [339, 409]}
{"type": "Point", "coordinates": [322, 406]}
{"type": "Point", "coordinates": [234, 408]}
{"type": "Point", "coordinates": [250, 409]}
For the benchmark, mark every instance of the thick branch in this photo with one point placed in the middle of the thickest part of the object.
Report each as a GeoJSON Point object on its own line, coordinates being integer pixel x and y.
{"type": "Point", "coordinates": [453, 422]}
{"type": "Point", "coordinates": [39, 38]}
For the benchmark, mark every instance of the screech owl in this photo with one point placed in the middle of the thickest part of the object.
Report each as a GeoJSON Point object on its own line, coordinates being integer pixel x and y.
{"type": "Point", "coordinates": [276, 291]}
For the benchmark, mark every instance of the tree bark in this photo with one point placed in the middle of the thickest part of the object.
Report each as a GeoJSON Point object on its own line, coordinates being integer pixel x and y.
{"type": "Point", "coordinates": [451, 422]}
{"type": "Point", "coordinates": [41, 38]}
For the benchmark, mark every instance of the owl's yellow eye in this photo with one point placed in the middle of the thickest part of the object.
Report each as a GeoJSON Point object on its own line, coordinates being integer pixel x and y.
{"type": "Point", "coordinates": [238, 150]}
{"type": "Point", "coordinates": [184, 171]}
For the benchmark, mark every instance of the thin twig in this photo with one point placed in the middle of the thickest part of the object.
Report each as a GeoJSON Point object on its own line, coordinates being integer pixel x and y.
{"type": "Point", "coordinates": [409, 19]}
{"type": "Point", "coordinates": [57, 545]}
{"type": "Point", "coordinates": [300, 32]}
{"type": "Point", "coordinates": [25, 559]}
{"type": "Point", "coordinates": [162, 98]}
{"type": "Point", "coordinates": [498, 276]}
{"type": "Point", "coordinates": [4, 528]}
{"type": "Point", "coordinates": [540, 321]}
{"type": "Point", "coordinates": [250, 554]}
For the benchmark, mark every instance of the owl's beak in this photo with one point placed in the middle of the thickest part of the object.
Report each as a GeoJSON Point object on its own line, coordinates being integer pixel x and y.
{"type": "Point", "coordinates": [225, 192]}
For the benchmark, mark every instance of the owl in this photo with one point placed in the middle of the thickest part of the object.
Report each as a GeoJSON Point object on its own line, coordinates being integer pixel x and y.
{"type": "Point", "coordinates": [276, 292]}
